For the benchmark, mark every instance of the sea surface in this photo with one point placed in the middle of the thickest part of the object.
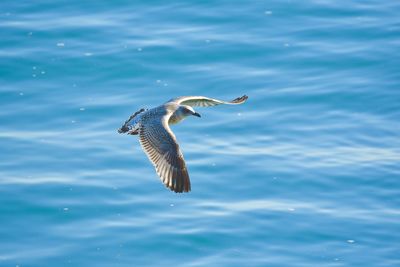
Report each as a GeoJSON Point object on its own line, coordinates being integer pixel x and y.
{"type": "Point", "coordinates": [305, 173]}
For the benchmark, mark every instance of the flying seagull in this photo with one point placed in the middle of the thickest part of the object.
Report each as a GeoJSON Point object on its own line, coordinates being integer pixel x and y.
{"type": "Point", "coordinates": [159, 142]}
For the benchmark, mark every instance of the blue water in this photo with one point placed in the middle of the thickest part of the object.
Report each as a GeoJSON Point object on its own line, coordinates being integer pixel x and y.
{"type": "Point", "coordinates": [306, 173]}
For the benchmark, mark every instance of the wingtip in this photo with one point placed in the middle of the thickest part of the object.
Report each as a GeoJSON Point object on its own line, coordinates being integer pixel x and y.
{"type": "Point", "coordinates": [177, 181]}
{"type": "Point", "coordinates": [183, 187]}
{"type": "Point", "coordinates": [123, 129]}
{"type": "Point", "coordinates": [240, 100]}
{"type": "Point", "coordinates": [178, 190]}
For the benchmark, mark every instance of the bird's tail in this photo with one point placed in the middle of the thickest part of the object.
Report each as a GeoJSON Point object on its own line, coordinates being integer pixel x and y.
{"type": "Point", "coordinates": [131, 124]}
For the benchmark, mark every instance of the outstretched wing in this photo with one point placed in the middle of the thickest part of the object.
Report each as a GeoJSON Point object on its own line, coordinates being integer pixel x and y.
{"type": "Point", "coordinates": [160, 145]}
{"type": "Point", "coordinates": [202, 101]}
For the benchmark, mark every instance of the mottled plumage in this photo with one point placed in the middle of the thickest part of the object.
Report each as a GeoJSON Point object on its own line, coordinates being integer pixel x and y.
{"type": "Point", "coordinates": [159, 142]}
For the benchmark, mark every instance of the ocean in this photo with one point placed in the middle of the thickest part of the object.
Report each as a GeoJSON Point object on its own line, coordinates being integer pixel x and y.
{"type": "Point", "coordinates": [305, 173]}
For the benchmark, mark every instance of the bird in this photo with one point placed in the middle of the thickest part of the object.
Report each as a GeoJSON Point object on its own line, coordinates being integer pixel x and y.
{"type": "Point", "coordinates": [159, 142]}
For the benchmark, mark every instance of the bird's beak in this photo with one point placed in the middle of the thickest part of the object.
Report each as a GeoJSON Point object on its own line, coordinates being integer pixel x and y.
{"type": "Point", "coordinates": [196, 114]}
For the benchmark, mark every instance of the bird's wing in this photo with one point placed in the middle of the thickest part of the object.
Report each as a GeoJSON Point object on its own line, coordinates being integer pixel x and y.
{"type": "Point", "coordinates": [161, 147]}
{"type": "Point", "coordinates": [202, 101]}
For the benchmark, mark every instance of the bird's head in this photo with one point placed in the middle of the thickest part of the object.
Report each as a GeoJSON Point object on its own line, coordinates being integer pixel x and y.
{"type": "Point", "coordinates": [188, 110]}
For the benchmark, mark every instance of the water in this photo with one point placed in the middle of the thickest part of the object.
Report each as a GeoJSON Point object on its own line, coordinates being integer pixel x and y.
{"type": "Point", "coordinates": [306, 173]}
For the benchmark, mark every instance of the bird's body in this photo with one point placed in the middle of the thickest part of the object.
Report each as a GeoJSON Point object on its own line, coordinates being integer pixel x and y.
{"type": "Point", "coordinates": [159, 142]}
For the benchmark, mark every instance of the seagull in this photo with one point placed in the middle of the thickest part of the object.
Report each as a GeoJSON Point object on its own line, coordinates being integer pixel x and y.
{"type": "Point", "coordinates": [159, 142]}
